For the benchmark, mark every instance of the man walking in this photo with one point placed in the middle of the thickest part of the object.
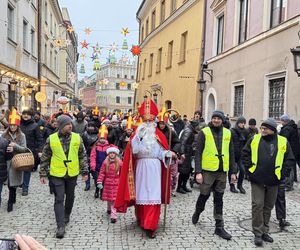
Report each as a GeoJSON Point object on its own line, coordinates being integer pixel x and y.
{"type": "Point", "coordinates": [214, 157]}
{"type": "Point", "coordinates": [64, 152]}
{"type": "Point", "coordinates": [267, 157]}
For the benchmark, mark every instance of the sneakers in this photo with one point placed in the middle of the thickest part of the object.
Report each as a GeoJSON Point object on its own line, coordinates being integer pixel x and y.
{"type": "Point", "coordinates": [267, 238]}
{"type": "Point", "coordinates": [232, 189]}
{"type": "Point", "coordinates": [222, 233]}
{"type": "Point", "coordinates": [283, 223]}
{"type": "Point", "coordinates": [24, 193]}
{"type": "Point", "coordinates": [195, 218]}
{"type": "Point", "coordinates": [258, 241]}
{"type": "Point", "coordinates": [242, 190]}
{"type": "Point", "coordinates": [60, 232]}
{"type": "Point", "coordinates": [113, 220]}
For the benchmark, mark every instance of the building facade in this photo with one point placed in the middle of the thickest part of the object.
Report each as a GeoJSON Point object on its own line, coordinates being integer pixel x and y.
{"type": "Point", "coordinates": [87, 91]}
{"type": "Point", "coordinates": [116, 86]}
{"type": "Point", "coordinates": [18, 52]}
{"type": "Point", "coordinates": [171, 52]}
{"type": "Point", "coordinates": [247, 49]}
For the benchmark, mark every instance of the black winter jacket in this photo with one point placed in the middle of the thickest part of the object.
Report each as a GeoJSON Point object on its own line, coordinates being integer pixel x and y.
{"type": "Point", "coordinates": [267, 152]}
{"type": "Point", "coordinates": [33, 135]}
{"type": "Point", "coordinates": [239, 138]}
{"type": "Point", "coordinates": [218, 137]}
{"type": "Point", "coordinates": [175, 142]}
{"type": "Point", "coordinates": [49, 130]}
{"type": "Point", "coordinates": [290, 132]}
{"type": "Point", "coordinates": [89, 139]}
{"type": "Point", "coordinates": [4, 156]}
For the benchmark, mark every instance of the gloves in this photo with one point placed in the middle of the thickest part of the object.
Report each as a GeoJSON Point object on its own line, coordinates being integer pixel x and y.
{"type": "Point", "coordinates": [168, 158]}
{"type": "Point", "coordinates": [141, 132]}
{"type": "Point", "coordinates": [99, 185]}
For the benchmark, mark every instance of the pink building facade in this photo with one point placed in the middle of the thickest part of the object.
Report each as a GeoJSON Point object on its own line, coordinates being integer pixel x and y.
{"type": "Point", "coordinates": [89, 96]}
{"type": "Point", "coordinates": [247, 50]}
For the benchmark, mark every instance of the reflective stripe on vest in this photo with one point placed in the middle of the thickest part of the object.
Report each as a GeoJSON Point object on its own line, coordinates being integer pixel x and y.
{"type": "Point", "coordinates": [281, 144]}
{"type": "Point", "coordinates": [59, 164]}
{"type": "Point", "coordinates": [210, 155]}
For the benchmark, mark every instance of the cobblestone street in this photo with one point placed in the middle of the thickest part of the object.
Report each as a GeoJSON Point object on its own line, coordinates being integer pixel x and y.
{"type": "Point", "coordinates": [90, 227]}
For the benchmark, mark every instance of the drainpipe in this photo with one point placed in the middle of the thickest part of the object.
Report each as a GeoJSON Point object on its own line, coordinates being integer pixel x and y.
{"type": "Point", "coordinates": [39, 56]}
{"type": "Point", "coordinates": [202, 55]}
{"type": "Point", "coordinates": [137, 70]}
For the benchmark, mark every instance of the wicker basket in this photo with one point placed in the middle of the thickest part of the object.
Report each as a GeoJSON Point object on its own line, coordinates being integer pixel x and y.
{"type": "Point", "coordinates": [23, 161]}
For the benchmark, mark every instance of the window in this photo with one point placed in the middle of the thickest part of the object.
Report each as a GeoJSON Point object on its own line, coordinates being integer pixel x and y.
{"type": "Point", "coordinates": [153, 19]}
{"type": "Point", "coordinates": [125, 76]}
{"type": "Point", "coordinates": [118, 75]}
{"type": "Point", "coordinates": [51, 23]}
{"type": "Point", "coordinates": [118, 99]}
{"type": "Point", "coordinates": [51, 59]}
{"type": "Point", "coordinates": [140, 72]}
{"type": "Point", "coordinates": [129, 100]}
{"type": "Point", "coordinates": [220, 33]}
{"type": "Point", "coordinates": [32, 38]}
{"type": "Point", "coordinates": [144, 69]}
{"type": "Point", "coordinates": [170, 54]}
{"type": "Point", "coordinates": [173, 5]}
{"type": "Point", "coordinates": [147, 27]}
{"type": "Point", "coordinates": [117, 85]}
{"type": "Point", "coordinates": [278, 8]}
{"type": "Point", "coordinates": [276, 97]}
{"type": "Point", "coordinates": [25, 37]}
{"type": "Point", "coordinates": [238, 105]}
{"type": "Point", "coordinates": [142, 34]}
{"type": "Point", "coordinates": [45, 53]}
{"type": "Point", "coordinates": [46, 12]}
{"type": "Point", "coordinates": [162, 11]}
{"type": "Point", "coordinates": [132, 77]}
{"type": "Point", "coordinates": [129, 86]}
{"type": "Point", "coordinates": [10, 22]}
{"type": "Point", "coordinates": [183, 44]}
{"type": "Point", "coordinates": [55, 62]}
{"type": "Point", "coordinates": [243, 18]}
{"type": "Point", "coordinates": [159, 57]}
{"type": "Point", "coordinates": [150, 64]}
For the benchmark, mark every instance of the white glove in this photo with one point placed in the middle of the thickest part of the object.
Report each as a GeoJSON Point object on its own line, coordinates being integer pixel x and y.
{"type": "Point", "coordinates": [168, 158]}
{"type": "Point", "coordinates": [141, 132]}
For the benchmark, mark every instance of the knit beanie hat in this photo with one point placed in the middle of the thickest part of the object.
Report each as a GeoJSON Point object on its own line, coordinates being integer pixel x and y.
{"type": "Point", "coordinates": [63, 120]}
{"type": "Point", "coordinates": [114, 119]}
{"type": "Point", "coordinates": [241, 119]}
{"type": "Point", "coordinates": [285, 118]}
{"type": "Point", "coordinates": [252, 121]}
{"type": "Point", "coordinates": [218, 113]}
{"type": "Point", "coordinates": [112, 149]}
{"type": "Point", "coordinates": [271, 124]}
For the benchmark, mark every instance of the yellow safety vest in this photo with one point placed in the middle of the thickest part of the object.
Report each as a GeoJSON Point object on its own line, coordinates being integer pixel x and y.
{"type": "Point", "coordinates": [279, 158]}
{"type": "Point", "coordinates": [59, 163]}
{"type": "Point", "coordinates": [210, 155]}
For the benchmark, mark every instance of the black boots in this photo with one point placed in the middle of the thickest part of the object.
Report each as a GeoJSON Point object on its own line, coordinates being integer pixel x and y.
{"type": "Point", "coordinates": [258, 241]}
{"type": "Point", "coordinates": [97, 195]}
{"type": "Point", "coordinates": [283, 223]}
{"type": "Point", "coordinates": [232, 188]}
{"type": "Point", "coordinates": [242, 190]}
{"type": "Point", "coordinates": [267, 238]}
{"type": "Point", "coordinates": [60, 232]}
{"type": "Point", "coordinates": [67, 219]}
{"type": "Point", "coordinates": [113, 220]}
{"type": "Point", "coordinates": [200, 205]}
{"type": "Point", "coordinates": [180, 190]}
{"type": "Point", "coordinates": [9, 207]}
{"type": "Point", "coordinates": [195, 217]}
{"type": "Point", "coordinates": [222, 233]}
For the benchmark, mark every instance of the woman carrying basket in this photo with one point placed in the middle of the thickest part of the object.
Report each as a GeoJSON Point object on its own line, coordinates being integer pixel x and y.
{"type": "Point", "coordinates": [17, 145]}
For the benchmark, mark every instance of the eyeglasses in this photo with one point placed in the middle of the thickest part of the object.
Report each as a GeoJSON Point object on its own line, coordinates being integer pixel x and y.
{"type": "Point", "coordinates": [264, 128]}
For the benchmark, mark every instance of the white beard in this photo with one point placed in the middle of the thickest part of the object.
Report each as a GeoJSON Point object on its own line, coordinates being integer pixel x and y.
{"type": "Point", "coordinates": [149, 139]}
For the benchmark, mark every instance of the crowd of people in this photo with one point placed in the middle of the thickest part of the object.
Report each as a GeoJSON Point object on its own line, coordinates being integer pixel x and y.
{"type": "Point", "coordinates": [145, 158]}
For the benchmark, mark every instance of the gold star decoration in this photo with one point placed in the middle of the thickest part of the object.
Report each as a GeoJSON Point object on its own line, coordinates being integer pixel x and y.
{"type": "Point", "coordinates": [87, 31]}
{"type": "Point", "coordinates": [125, 31]}
{"type": "Point", "coordinates": [70, 29]}
{"type": "Point", "coordinates": [58, 43]}
{"type": "Point", "coordinates": [83, 56]}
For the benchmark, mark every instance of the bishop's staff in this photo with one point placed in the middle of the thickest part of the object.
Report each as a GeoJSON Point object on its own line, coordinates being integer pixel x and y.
{"type": "Point", "coordinates": [172, 118]}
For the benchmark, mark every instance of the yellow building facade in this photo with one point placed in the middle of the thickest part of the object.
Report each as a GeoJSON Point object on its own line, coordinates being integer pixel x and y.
{"type": "Point", "coordinates": [170, 35]}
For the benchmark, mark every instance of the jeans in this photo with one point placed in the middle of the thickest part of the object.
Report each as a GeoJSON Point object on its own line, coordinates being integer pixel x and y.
{"type": "Point", "coordinates": [1, 186]}
{"type": "Point", "coordinates": [26, 181]}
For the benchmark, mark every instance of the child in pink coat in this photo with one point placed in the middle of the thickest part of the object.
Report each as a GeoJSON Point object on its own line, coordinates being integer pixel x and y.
{"type": "Point", "coordinates": [108, 179]}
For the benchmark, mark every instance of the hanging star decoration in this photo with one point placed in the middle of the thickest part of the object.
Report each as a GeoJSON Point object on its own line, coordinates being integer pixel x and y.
{"type": "Point", "coordinates": [103, 81]}
{"type": "Point", "coordinates": [125, 31]}
{"type": "Point", "coordinates": [70, 29]}
{"type": "Point", "coordinates": [94, 56]}
{"type": "Point", "coordinates": [123, 84]}
{"type": "Point", "coordinates": [135, 85]}
{"type": "Point", "coordinates": [83, 56]}
{"type": "Point", "coordinates": [87, 31]}
{"type": "Point", "coordinates": [113, 47]}
{"type": "Point", "coordinates": [97, 49]}
{"type": "Point", "coordinates": [68, 42]}
{"type": "Point", "coordinates": [72, 77]}
{"type": "Point", "coordinates": [84, 45]}
{"type": "Point", "coordinates": [58, 43]}
{"type": "Point", "coordinates": [135, 50]}
{"type": "Point", "coordinates": [124, 58]}
{"type": "Point", "coordinates": [87, 81]}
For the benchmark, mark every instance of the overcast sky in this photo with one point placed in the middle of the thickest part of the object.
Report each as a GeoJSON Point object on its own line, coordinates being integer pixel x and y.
{"type": "Point", "coordinates": [106, 18]}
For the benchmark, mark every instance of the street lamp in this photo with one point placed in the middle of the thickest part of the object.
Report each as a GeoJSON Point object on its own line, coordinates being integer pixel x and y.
{"type": "Point", "coordinates": [29, 88]}
{"type": "Point", "coordinates": [296, 55]}
{"type": "Point", "coordinates": [202, 84]}
{"type": "Point", "coordinates": [13, 85]}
